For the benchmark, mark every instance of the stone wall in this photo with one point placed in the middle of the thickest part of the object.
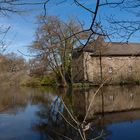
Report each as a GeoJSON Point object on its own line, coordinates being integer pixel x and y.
{"type": "Point", "coordinates": [115, 69]}
{"type": "Point", "coordinates": [77, 67]}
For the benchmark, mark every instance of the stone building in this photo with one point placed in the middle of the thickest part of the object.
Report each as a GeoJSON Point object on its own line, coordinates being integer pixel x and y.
{"type": "Point", "coordinates": [114, 63]}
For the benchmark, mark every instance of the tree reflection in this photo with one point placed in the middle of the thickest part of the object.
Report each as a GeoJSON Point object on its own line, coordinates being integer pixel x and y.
{"type": "Point", "coordinates": [54, 121]}
{"type": "Point", "coordinates": [56, 126]}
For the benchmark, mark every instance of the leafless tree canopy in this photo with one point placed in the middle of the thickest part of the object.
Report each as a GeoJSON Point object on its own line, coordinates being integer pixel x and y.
{"type": "Point", "coordinates": [9, 7]}
{"type": "Point", "coordinates": [54, 43]}
{"type": "Point", "coordinates": [114, 26]}
{"type": "Point", "coordinates": [117, 27]}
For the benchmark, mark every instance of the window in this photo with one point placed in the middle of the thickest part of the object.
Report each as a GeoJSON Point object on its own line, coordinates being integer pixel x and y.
{"type": "Point", "coordinates": [109, 58]}
{"type": "Point", "coordinates": [130, 69]}
{"type": "Point", "coordinates": [110, 70]}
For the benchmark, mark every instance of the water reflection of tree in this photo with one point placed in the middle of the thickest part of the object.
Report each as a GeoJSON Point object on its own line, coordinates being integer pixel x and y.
{"type": "Point", "coordinates": [53, 125]}
{"type": "Point", "coordinates": [12, 100]}
{"type": "Point", "coordinates": [15, 99]}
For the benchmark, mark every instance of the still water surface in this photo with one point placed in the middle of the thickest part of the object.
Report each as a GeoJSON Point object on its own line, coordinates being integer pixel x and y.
{"type": "Point", "coordinates": [32, 113]}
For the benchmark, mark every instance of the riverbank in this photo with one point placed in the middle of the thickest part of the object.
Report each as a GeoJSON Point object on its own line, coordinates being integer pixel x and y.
{"type": "Point", "coordinates": [50, 82]}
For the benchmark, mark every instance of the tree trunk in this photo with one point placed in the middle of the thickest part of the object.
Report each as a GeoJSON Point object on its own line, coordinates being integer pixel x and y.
{"type": "Point", "coordinates": [63, 80]}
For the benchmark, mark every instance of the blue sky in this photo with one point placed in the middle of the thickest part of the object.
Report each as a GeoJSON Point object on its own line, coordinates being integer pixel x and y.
{"type": "Point", "coordinates": [23, 26]}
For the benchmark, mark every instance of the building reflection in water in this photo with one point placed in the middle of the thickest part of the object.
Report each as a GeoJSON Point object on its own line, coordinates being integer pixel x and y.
{"type": "Point", "coordinates": [112, 104]}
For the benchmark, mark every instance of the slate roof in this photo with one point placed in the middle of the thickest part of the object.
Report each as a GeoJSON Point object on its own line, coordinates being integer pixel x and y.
{"type": "Point", "coordinates": [112, 49]}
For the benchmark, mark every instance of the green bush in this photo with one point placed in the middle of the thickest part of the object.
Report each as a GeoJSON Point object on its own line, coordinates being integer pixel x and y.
{"type": "Point", "coordinates": [30, 81]}
{"type": "Point", "coordinates": [48, 80]}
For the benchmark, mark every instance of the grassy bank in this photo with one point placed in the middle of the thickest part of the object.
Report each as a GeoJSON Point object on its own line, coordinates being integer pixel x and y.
{"type": "Point", "coordinates": [36, 82]}
{"type": "Point", "coordinates": [48, 81]}
{"type": "Point", "coordinates": [22, 79]}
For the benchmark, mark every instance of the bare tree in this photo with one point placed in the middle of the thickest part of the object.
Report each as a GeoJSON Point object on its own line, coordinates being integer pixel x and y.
{"type": "Point", "coordinates": [116, 27]}
{"type": "Point", "coordinates": [10, 7]}
{"type": "Point", "coordinates": [54, 48]}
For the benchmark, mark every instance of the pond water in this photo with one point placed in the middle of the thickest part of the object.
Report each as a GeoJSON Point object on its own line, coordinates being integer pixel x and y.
{"type": "Point", "coordinates": [41, 113]}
